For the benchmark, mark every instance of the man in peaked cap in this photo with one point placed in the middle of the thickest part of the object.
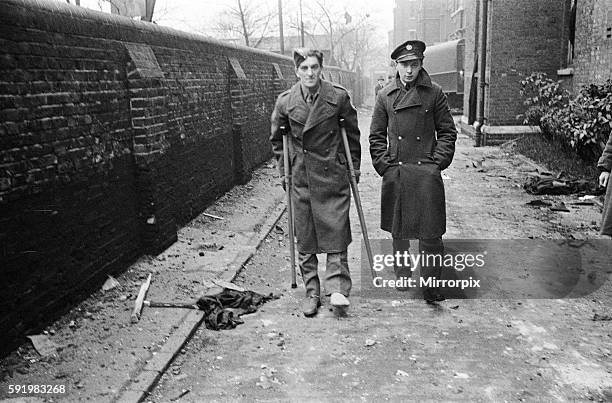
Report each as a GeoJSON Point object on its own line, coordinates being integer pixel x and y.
{"type": "Point", "coordinates": [412, 139]}
{"type": "Point", "coordinates": [311, 110]}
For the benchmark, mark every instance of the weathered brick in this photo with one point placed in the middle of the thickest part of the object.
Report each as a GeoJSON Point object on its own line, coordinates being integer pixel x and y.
{"type": "Point", "coordinates": [78, 135]}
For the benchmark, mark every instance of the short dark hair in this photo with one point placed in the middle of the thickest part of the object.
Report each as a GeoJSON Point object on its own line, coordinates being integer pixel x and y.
{"type": "Point", "coordinates": [301, 54]}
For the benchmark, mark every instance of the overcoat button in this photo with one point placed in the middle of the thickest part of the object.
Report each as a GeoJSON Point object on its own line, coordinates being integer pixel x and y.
{"type": "Point", "coordinates": [418, 139]}
{"type": "Point", "coordinates": [419, 163]}
{"type": "Point", "coordinates": [400, 162]}
{"type": "Point", "coordinates": [399, 137]}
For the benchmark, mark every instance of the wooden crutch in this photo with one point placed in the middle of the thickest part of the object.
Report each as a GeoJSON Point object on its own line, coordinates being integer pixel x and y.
{"type": "Point", "coordinates": [353, 180]}
{"type": "Point", "coordinates": [288, 189]}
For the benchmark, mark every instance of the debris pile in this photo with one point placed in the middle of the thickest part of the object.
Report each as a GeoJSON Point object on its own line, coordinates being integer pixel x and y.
{"type": "Point", "coordinates": [545, 183]}
{"type": "Point", "coordinates": [223, 310]}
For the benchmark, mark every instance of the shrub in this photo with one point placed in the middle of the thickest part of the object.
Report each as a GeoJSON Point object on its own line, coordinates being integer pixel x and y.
{"type": "Point", "coordinates": [541, 95]}
{"type": "Point", "coordinates": [582, 123]}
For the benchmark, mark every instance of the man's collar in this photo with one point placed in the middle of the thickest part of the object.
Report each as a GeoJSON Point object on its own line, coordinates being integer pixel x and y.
{"type": "Point", "coordinates": [305, 90]}
{"type": "Point", "coordinates": [422, 79]}
{"type": "Point", "coordinates": [326, 92]}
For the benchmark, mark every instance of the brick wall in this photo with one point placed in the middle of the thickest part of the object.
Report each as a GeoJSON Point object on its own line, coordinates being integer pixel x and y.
{"type": "Point", "coordinates": [523, 37]}
{"type": "Point", "coordinates": [113, 133]}
{"type": "Point", "coordinates": [593, 47]}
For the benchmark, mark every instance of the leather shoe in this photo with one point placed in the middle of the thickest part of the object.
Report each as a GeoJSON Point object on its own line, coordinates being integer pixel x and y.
{"type": "Point", "coordinates": [402, 273]}
{"type": "Point", "coordinates": [339, 303]}
{"type": "Point", "coordinates": [310, 305]}
{"type": "Point", "coordinates": [432, 295]}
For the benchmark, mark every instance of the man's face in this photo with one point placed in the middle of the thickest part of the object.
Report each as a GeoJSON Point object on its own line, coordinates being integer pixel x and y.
{"type": "Point", "coordinates": [409, 69]}
{"type": "Point", "coordinates": [309, 72]}
{"type": "Point", "coordinates": [381, 81]}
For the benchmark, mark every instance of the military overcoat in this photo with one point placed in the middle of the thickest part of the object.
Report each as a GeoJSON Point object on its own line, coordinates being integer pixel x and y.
{"type": "Point", "coordinates": [321, 189]}
{"type": "Point", "coordinates": [605, 164]}
{"type": "Point", "coordinates": [412, 139]}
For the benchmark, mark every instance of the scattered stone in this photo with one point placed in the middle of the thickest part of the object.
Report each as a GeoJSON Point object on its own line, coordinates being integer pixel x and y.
{"type": "Point", "coordinates": [603, 317]}
{"type": "Point", "coordinates": [181, 377]}
{"type": "Point", "coordinates": [264, 383]}
{"type": "Point", "coordinates": [370, 342]}
{"type": "Point", "coordinates": [539, 203]}
{"type": "Point", "coordinates": [267, 322]}
{"type": "Point", "coordinates": [110, 283]}
{"type": "Point", "coordinates": [461, 375]}
{"type": "Point", "coordinates": [559, 207]}
{"type": "Point", "coordinates": [399, 372]}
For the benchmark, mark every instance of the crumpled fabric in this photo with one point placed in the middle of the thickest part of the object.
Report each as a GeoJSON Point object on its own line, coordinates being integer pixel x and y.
{"type": "Point", "coordinates": [223, 310]}
{"type": "Point", "coordinates": [547, 184]}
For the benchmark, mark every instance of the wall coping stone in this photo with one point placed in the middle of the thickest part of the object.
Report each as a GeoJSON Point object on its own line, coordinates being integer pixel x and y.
{"type": "Point", "coordinates": [99, 17]}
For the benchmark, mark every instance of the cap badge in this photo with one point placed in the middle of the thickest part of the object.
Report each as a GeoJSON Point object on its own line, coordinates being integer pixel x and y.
{"type": "Point", "coordinates": [408, 47]}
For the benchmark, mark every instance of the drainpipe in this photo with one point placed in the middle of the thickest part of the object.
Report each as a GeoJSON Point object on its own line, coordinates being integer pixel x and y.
{"type": "Point", "coordinates": [482, 73]}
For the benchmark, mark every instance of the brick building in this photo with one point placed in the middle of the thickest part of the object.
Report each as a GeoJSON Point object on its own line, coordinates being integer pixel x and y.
{"type": "Point", "coordinates": [591, 61]}
{"type": "Point", "coordinates": [432, 21]}
{"type": "Point", "coordinates": [568, 40]}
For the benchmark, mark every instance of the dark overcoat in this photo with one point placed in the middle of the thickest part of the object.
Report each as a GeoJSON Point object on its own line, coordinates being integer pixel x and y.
{"type": "Point", "coordinates": [321, 189]}
{"type": "Point", "coordinates": [412, 139]}
{"type": "Point", "coordinates": [605, 164]}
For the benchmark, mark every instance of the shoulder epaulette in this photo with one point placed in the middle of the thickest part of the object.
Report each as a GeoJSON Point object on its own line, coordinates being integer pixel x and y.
{"type": "Point", "coordinates": [336, 85]}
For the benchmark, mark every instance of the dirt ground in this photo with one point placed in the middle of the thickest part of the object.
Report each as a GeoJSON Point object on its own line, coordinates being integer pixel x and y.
{"type": "Point", "coordinates": [396, 348]}
{"type": "Point", "coordinates": [403, 349]}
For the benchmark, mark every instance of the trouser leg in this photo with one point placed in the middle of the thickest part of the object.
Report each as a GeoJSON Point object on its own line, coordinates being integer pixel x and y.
{"type": "Point", "coordinates": [432, 251]}
{"type": "Point", "coordinates": [309, 269]}
{"type": "Point", "coordinates": [402, 263]}
{"type": "Point", "coordinates": [337, 275]}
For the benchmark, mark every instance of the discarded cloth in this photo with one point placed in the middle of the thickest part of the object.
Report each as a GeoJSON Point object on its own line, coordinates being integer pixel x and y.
{"type": "Point", "coordinates": [223, 310]}
{"type": "Point", "coordinates": [547, 184]}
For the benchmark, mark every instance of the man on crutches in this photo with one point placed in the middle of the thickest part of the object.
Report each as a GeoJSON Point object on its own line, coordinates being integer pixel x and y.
{"type": "Point", "coordinates": [320, 191]}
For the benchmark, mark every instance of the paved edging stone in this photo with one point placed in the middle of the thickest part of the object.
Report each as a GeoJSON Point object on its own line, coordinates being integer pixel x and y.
{"type": "Point", "coordinates": [137, 389]}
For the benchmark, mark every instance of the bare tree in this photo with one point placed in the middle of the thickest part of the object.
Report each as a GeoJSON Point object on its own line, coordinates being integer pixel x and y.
{"type": "Point", "coordinates": [349, 38]}
{"type": "Point", "coordinates": [356, 44]}
{"type": "Point", "coordinates": [247, 19]}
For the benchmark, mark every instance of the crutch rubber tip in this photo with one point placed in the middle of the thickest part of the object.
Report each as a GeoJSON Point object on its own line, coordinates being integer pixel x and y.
{"type": "Point", "coordinates": [293, 285]}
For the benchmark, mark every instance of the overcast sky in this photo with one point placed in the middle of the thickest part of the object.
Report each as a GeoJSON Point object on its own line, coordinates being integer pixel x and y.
{"type": "Point", "coordinates": [202, 15]}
